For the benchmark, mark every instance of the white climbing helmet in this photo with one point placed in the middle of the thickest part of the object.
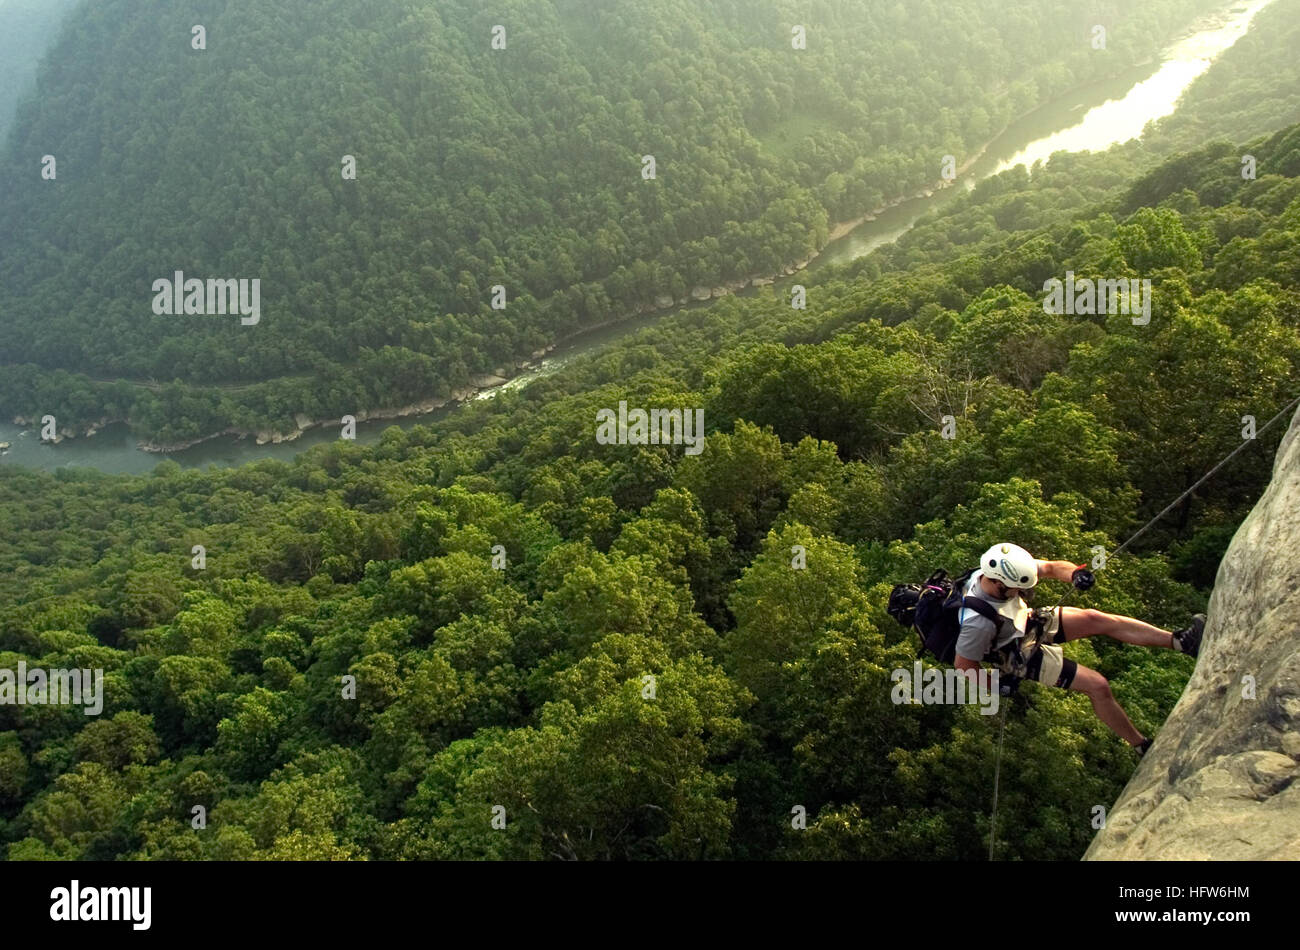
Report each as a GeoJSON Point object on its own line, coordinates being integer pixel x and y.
{"type": "Point", "coordinates": [1010, 564]}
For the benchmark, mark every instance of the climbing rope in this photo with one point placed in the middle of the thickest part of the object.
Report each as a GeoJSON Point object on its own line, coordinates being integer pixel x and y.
{"type": "Point", "coordinates": [1206, 477]}
{"type": "Point", "coordinates": [997, 772]}
{"type": "Point", "coordinates": [997, 768]}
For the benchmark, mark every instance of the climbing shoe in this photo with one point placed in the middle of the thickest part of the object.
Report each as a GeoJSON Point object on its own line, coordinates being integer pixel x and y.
{"type": "Point", "coordinates": [1189, 639]}
{"type": "Point", "coordinates": [1143, 746]}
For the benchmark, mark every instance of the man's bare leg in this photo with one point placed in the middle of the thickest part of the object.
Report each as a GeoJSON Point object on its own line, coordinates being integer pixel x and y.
{"type": "Point", "coordinates": [1097, 688]}
{"type": "Point", "coordinates": [1078, 622]}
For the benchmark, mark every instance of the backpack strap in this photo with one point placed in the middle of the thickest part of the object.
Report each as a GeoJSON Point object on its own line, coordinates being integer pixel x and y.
{"type": "Point", "coordinates": [983, 608]}
{"type": "Point", "coordinates": [986, 610]}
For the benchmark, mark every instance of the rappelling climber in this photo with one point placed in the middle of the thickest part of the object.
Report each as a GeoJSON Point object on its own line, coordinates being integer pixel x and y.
{"type": "Point", "coordinates": [1027, 640]}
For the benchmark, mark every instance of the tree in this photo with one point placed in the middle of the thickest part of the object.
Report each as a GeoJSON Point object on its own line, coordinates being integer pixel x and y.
{"type": "Point", "coordinates": [781, 607]}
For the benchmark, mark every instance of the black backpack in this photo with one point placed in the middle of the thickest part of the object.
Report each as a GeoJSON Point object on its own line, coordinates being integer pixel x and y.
{"type": "Point", "coordinates": [933, 609]}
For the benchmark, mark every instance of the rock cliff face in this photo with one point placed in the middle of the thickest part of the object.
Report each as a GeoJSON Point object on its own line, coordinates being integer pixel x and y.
{"type": "Point", "coordinates": [1220, 780]}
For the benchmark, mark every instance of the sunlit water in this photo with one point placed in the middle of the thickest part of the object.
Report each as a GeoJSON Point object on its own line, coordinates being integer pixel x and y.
{"type": "Point", "coordinates": [1119, 120]}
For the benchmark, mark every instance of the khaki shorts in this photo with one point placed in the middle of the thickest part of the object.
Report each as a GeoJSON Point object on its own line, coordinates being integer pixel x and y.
{"type": "Point", "coordinates": [1040, 657]}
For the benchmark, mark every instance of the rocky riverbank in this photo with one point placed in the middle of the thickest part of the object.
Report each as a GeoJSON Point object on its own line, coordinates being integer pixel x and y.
{"type": "Point", "coordinates": [304, 423]}
{"type": "Point", "coordinates": [62, 432]}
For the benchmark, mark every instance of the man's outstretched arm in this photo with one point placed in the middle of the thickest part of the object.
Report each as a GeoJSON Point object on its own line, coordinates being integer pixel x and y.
{"type": "Point", "coordinates": [1056, 570]}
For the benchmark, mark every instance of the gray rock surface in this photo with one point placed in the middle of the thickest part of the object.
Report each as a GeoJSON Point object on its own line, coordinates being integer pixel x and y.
{"type": "Point", "coordinates": [1220, 780]}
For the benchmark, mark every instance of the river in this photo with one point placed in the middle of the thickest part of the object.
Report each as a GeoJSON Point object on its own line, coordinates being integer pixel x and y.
{"type": "Point", "coordinates": [1091, 118]}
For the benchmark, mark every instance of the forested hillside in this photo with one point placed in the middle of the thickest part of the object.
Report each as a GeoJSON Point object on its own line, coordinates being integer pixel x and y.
{"type": "Point", "coordinates": [27, 27]}
{"type": "Point", "coordinates": [522, 684]}
{"type": "Point", "coordinates": [475, 167]}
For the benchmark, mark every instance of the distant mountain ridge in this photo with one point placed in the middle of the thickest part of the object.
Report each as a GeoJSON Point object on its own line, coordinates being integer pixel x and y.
{"type": "Point", "coordinates": [512, 177]}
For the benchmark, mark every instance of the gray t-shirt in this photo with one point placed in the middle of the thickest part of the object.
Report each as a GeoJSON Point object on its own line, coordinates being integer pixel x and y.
{"type": "Point", "coordinates": [978, 633]}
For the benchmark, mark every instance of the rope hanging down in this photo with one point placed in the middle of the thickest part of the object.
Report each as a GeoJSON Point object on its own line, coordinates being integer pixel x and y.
{"type": "Point", "coordinates": [997, 771]}
{"type": "Point", "coordinates": [997, 768]}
